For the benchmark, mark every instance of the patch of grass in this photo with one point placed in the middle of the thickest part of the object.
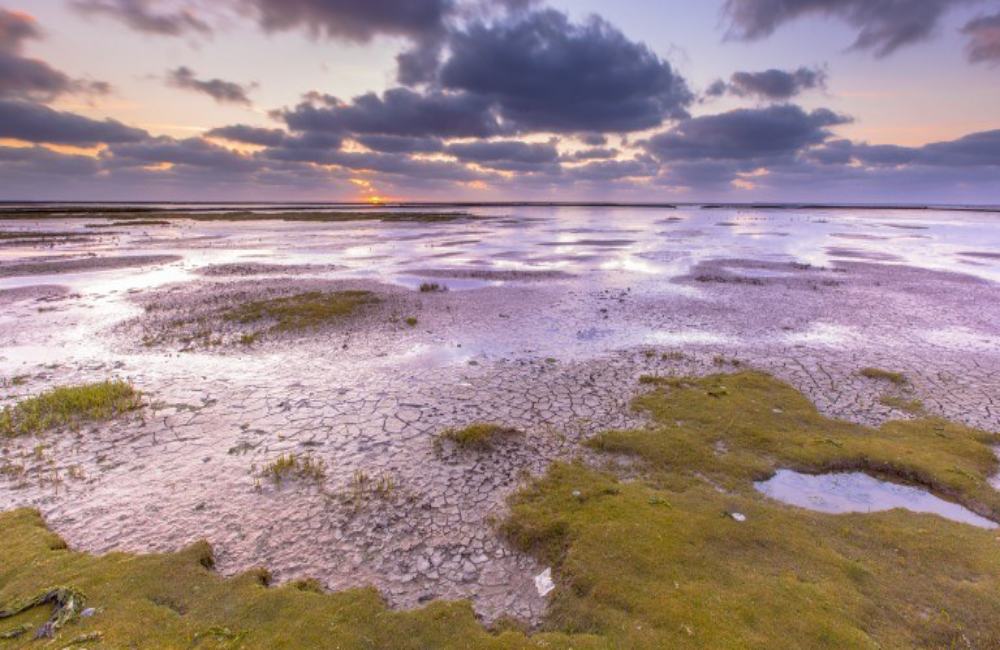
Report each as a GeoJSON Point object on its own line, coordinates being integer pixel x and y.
{"type": "Point", "coordinates": [250, 339]}
{"type": "Point", "coordinates": [364, 487]}
{"type": "Point", "coordinates": [411, 321]}
{"type": "Point", "coordinates": [69, 406]}
{"type": "Point", "coordinates": [912, 406]}
{"type": "Point", "coordinates": [432, 287]}
{"type": "Point", "coordinates": [295, 467]}
{"type": "Point", "coordinates": [728, 279]}
{"type": "Point", "coordinates": [897, 378]}
{"type": "Point", "coordinates": [660, 562]}
{"type": "Point", "coordinates": [139, 598]}
{"type": "Point", "coordinates": [130, 222]}
{"type": "Point", "coordinates": [479, 436]}
{"type": "Point", "coordinates": [301, 311]}
{"type": "Point", "coordinates": [14, 235]}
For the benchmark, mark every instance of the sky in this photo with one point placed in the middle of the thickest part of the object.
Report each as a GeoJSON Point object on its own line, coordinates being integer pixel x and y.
{"type": "Point", "coordinates": [849, 101]}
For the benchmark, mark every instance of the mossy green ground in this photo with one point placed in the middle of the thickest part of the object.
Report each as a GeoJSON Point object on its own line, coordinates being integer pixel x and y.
{"type": "Point", "coordinates": [654, 560]}
{"type": "Point", "coordinates": [300, 311]}
{"type": "Point", "coordinates": [478, 436]}
{"type": "Point", "coordinates": [69, 406]}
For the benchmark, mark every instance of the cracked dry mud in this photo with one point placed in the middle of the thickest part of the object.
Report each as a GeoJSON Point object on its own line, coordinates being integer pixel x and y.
{"type": "Point", "coordinates": [551, 318]}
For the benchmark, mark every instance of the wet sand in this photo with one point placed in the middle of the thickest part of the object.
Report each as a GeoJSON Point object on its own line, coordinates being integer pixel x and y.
{"type": "Point", "coordinates": [550, 339]}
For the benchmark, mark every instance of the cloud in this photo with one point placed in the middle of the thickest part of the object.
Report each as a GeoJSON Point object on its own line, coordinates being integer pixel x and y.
{"type": "Point", "coordinates": [980, 149]}
{"type": "Point", "coordinates": [759, 135]}
{"type": "Point", "coordinates": [774, 85]}
{"type": "Point", "coordinates": [401, 144]}
{"type": "Point", "coordinates": [40, 161]}
{"type": "Point", "coordinates": [249, 135]}
{"type": "Point", "coordinates": [32, 122]}
{"type": "Point", "coordinates": [139, 15]}
{"type": "Point", "coordinates": [486, 152]}
{"type": "Point", "coordinates": [192, 152]}
{"type": "Point", "coordinates": [32, 79]}
{"type": "Point", "coordinates": [15, 28]}
{"type": "Point", "coordinates": [882, 26]}
{"type": "Point", "coordinates": [545, 73]}
{"type": "Point", "coordinates": [354, 20]}
{"type": "Point", "coordinates": [398, 112]}
{"type": "Point", "coordinates": [984, 39]}
{"type": "Point", "coordinates": [224, 92]}
{"type": "Point", "coordinates": [594, 153]}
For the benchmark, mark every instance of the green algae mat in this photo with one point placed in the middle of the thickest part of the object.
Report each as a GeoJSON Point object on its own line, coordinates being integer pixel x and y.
{"type": "Point", "coordinates": [646, 553]}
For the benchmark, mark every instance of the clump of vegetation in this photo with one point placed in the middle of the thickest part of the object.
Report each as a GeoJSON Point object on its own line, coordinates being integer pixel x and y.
{"type": "Point", "coordinates": [130, 222]}
{"type": "Point", "coordinates": [411, 321]}
{"type": "Point", "coordinates": [250, 339]}
{"type": "Point", "coordinates": [897, 378]}
{"type": "Point", "coordinates": [38, 235]}
{"type": "Point", "coordinates": [139, 599]}
{"type": "Point", "coordinates": [300, 311]}
{"type": "Point", "coordinates": [69, 407]}
{"type": "Point", "coordinates": [912, 406]}
{"type": "Point", "coordinates": [365, 486]}
{"type": "Point", "coordinates": [295, 467]}
{"type": "Point", "coordinates": [728, 279]}
{"type": "Point", "coordinates": [662, 562]}
{"type": "Point", "coordinates": [479, 436]}
{"type": "Point", "coordinates": [432, 287]}
{"type": "Point", "coordinates": [658, 561]}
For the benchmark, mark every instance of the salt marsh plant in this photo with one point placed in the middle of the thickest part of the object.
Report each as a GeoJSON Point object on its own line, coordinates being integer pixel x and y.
{"type": "Point", "coordinates": [896, 378]}
{"type": "Point", "coordinates": [300, 311]}
{"type": "Point", "coordinates": [293, 466]}
{"type": "Point", "coordinates": [478, 436]}
{"type": "Point", "coordinates": [69, 407]}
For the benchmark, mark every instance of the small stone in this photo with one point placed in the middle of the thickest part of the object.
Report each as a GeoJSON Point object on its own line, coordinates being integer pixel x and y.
{"type": "Point", "coordinates": [738, 516]}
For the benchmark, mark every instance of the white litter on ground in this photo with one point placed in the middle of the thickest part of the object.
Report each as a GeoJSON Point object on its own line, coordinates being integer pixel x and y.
{"type": "Point", "coordinates": [543, 582]}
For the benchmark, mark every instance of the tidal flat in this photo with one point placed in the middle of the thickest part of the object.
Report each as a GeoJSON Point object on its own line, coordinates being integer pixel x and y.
{"type": "Point", "coordinates": [306, 407]}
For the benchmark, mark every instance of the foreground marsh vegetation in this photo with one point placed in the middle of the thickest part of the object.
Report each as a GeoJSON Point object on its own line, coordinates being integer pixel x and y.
{"type": "Point", "coordinates": [245, 316]}
{"type": "Point", "coordinates": [657, 560]}
{"type": "Point", "coordinates": [69, 407]}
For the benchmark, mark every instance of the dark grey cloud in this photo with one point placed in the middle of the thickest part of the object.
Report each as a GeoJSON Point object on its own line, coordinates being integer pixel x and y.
{"type": "Point", "coordinates": [984, 39]}
{"type": "Point", "coordinates": [249, 135]}
{"type": "Point", "coordinates": [141, 16]}
{"type": "Point", "coordinates": [222, 91]}
{"type": "Point", "coordinates": [32, 122]}
{"type": "Point", "coordinates": [15, 29]}
{"type": "Point", "coordinates": [356, 20]}
{"type": "Point", "coordinates": [773, 84]}
{"type": "Point", "coordinates": [610, 170]}
{"type": "Point", "coordinates": [545, 73]}
{"type": "Point", "coordinates": [980, 149]}
{"type": "Point", "coordinates": [193, 152]}
{"type": "Point", "coordinates": [758, 135]}
{"type": "Point", "coordinates": [399, 112]}
{"type": "Point", "coordinates": [40, 161]}
{"type": "Point", "coordinates": [594, 153]}
{"type": "Point", "coordinates": [883, 26]}
{"type": "Point", "coordinates": [401, 144]}
{"type": "Point", "coordinates": [32, 79]}
{"type": "Point", "coordinates": [487, 152]}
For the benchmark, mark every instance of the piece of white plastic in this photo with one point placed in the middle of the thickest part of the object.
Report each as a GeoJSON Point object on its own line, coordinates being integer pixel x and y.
{"type": "Point", "coordinates": [543, 582]}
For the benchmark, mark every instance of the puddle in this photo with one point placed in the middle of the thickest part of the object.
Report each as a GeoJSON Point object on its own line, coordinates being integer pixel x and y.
{"type": "Point", "coordinates": [842, 492]}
